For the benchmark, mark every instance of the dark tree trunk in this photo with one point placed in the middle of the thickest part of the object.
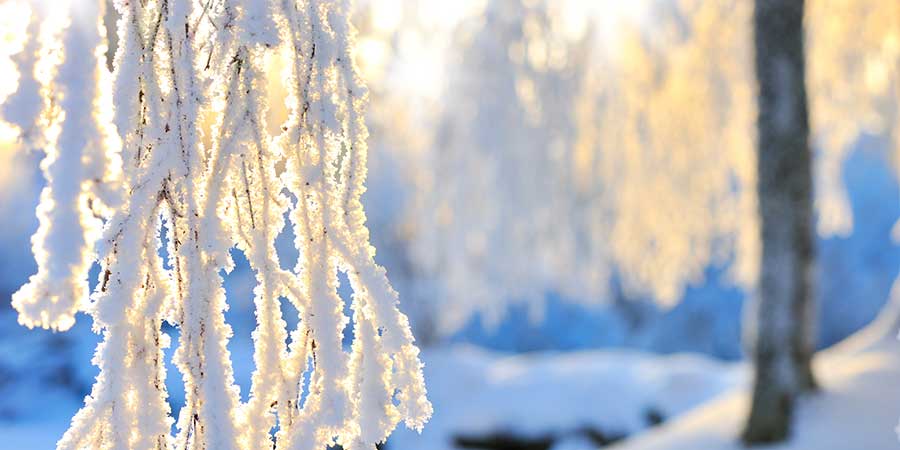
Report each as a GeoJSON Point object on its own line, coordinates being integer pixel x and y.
{"type": "Point", "coordinates": [780, 326]}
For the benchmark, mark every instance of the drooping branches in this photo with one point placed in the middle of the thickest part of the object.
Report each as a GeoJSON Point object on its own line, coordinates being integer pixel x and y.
{"type": "Point", "coordinates": [209, 189]}
{"type": "Point", "coordinates": [81, 166]}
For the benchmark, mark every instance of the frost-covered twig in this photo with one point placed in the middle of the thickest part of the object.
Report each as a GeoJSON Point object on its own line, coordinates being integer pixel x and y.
{"type": "Point", "coordinates": [81, 166]}
{"type": "Point", "coordinates": [177, 61]}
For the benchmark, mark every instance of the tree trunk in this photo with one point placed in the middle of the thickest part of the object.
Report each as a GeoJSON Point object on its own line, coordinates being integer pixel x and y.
{"type": "Point", "coordinates": [780, 326]}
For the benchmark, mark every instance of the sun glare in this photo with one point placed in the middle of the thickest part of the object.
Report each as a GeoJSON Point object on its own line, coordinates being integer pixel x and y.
{"type": "Point", "coordinates": [14, 18]}
{"type": "Point", "coordinates": [606, 16]}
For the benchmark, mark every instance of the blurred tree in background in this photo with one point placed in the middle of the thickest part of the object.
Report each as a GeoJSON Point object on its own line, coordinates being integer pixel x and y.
{"type": "Point", "coordinates": [780, 320]}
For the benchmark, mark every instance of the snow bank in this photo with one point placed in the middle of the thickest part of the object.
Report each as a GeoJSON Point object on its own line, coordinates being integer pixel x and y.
{"type": "Point", "coordinates": [561, 396]}
{"type": "Point", "coordinates": [857, 410]}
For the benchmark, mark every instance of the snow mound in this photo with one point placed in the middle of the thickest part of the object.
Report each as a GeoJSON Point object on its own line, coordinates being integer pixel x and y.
{"type": "Point", "coordinates": [857, 410]}
{"type": "Point", "coordinates": [562, 397]}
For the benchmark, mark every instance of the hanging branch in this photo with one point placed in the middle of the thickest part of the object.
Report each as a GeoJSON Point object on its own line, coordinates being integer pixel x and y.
{"type": "Point", "coordinates": [178, 60]}
{"type": "Point", "coordinates": [80, 167]}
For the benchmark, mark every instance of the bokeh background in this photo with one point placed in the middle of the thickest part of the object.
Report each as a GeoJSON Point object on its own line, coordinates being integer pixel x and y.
{"type": "Point", "coordinates": [563, 193]}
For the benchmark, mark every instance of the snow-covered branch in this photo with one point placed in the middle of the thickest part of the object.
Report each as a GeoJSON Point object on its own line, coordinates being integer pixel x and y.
{"type": "Point", "coordinates": [209, 189]}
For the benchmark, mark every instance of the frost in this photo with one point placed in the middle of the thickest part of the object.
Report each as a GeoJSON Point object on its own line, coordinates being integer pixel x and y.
{"type": "Point", "coordinates": [81, 168]}
{"type": "Point", "coordinates": [566, 174]}
{"type": "Point", "coordinates": [211, 188]}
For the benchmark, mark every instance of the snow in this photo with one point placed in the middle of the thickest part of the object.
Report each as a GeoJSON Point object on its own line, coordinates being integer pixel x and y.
{"type": "Point", "coordinates": [529, 395]}
{"type": "Point", "coordinates": [190, 201]}
{"type": "Point", "coordinates": [476, 392]}
{"type": "Point", "coordinates": [561, 395]}
{"type": "Point", "coordinates": [78, 167]}
{"type": "Point", "coordinates": [704, 402]}
{"type": "Point", "coordinates": [577, 443]}
{"type": "Point", "coordinates": [857, 409]}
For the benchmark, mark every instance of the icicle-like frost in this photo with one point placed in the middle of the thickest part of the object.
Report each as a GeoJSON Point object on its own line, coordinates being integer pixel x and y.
{"type": "Point", "coordinates": [176, 62]}
{"type": "Point", "coordinates": [80, 166]}
{"type": "Point", "coordinates": [324, 146]}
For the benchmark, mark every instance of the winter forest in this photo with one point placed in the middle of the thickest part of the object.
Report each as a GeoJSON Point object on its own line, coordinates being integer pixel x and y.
{"type": "Point", "coordinates": [442, 225]}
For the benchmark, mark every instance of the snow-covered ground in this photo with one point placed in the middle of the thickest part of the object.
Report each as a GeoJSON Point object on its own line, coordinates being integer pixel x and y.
{"type": "Point", "coordinates": [575, 400]}
{"type": "Point", "coordinates": [566, 397]}
{"type": "Point", "coordinates": [857, 409]}
{"type": "Point", "coordinates": [562, 397]}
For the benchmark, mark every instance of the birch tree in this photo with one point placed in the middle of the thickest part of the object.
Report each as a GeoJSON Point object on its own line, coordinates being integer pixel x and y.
{"type": "Point", "coordinates": [782, 318]}
{"type": "Point", "coordinates": [129, 166]}
{"type": "Point", "coordinates": [509, 134]}
{"type": "Point", "coordinates": [569, 160]}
